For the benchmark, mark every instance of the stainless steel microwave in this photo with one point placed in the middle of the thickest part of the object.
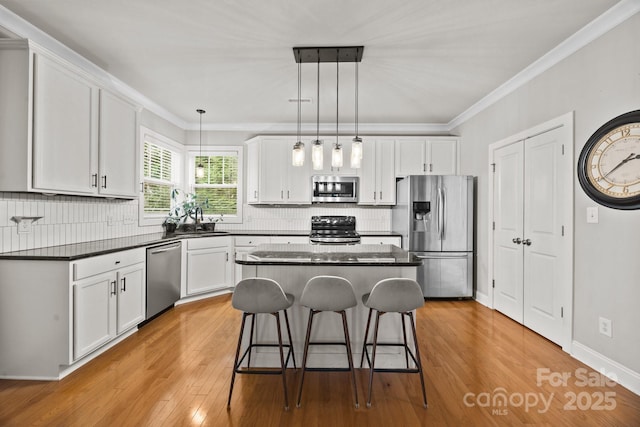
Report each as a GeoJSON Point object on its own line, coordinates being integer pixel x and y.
{"type": "Point", "coordinates": [334, 189]}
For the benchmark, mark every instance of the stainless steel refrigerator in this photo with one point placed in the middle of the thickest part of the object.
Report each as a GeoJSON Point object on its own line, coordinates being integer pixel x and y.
{"type": "Point", "coordinates": [434, 214]}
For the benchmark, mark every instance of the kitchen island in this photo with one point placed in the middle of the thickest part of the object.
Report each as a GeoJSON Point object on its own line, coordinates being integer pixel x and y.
{"type": "Point", "coordinates": [363, 265]}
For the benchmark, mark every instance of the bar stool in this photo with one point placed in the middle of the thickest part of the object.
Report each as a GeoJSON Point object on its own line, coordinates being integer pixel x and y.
{"type": "Point", "coordinates": [254, 296]}
{"type": "Point", "coordinates": [328, 293]}
{"type": "Point", "coordinates": [395, 295]}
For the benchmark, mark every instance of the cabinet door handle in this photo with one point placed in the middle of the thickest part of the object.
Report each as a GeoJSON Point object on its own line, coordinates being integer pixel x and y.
{"type": "Point", "coordinates": [430, 167]}
{"type": "Point", "coordinates": [526, 242]}
{"type": "Point", "coordinates": [381, 195]}
{"type": "Point", "coordinates": [124, 284]}
{"type": "Point", "coordinates": [374, 195]}
{"type": "Point", "coordinates": [94, 180]}
{"type": "Point", "coordinates": [113, 287]}
{"type": "Point", "coordinates": [255, 194]}
{"type": "Point", "coordinates": [288, 194]}
{"type": "Point", "coordinates": [227, 256]}
{"type": "Point", "coordinates": [104, 181]}
{"type": "Point", "coordinates": [424, 167]}
{"type": "Point", "coordinates": [142, 187]}
{"type": "Point", "coordinates": [516, 240]}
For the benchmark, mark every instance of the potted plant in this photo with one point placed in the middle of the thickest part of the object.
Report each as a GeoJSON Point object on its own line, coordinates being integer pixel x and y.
{"type": "Point", "coordinates": [211, 224]}
{"type": "Point", "coordinates": [189, 207]}
{"type": "Point", "coordinates": [170, 223]}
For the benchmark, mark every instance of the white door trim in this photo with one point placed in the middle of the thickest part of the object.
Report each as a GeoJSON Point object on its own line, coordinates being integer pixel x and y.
{"type": "Point", "coordinates": [565, 121]}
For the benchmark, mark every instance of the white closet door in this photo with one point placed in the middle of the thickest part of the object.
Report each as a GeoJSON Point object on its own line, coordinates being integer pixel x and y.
{"type": "Point", "coordinates": [508, 207]}
{"type": "Point", "coordinates": [542, 245]}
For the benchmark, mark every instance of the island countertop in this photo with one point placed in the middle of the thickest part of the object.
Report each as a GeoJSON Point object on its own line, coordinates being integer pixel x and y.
{"type": "Point", "coordinates": [338, 255]}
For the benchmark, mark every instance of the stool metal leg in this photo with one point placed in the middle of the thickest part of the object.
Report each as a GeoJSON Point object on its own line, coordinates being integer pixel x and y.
{"type": "Point", "coordinates": [404, 336]}
{"type": "Point", "coordinates": [305, 354]}
{"type": "Point", "coordinates": [235, 363]}
{"type": "Point", "coordinates": [253, 324]}
{"type": "Point", "coordinates": [350, 356]}
{"type": "Point", "coordinates": [373, 357]}
{"type": "Point", "coordinates": [364, 343]}
{"type": "Point", "coordinates": [293, 356]}
{"type": "Point", "coordinates": [419, 361]}
{"type": "Point", "coordinates": [284, 377]}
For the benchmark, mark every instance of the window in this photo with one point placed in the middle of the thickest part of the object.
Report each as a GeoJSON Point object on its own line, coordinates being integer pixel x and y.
{"type": "Point", "coordinates": [221, 184]}
{"type": "Point", "coordinates": [161, 172]}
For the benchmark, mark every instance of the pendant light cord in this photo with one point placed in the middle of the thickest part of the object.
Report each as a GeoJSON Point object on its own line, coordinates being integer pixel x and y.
{"type": "Point", "coordinates": [356, 93]}
{"type": "Point", "coordinates": [318, 100]}
{"type": "Point", "coordinates": [299, 95]}
{"type": "Point", "coordinates": [337, 91]}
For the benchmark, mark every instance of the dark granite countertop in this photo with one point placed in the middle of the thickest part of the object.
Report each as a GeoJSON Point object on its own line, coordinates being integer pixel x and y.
{"type": "Point", "coordinates": [344, 255]}
{"type": "Point", "coordinates": [100, 247]}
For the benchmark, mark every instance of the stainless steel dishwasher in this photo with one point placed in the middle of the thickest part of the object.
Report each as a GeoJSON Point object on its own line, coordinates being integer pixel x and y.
{"type": "Point", "coordinates": [163, 277]}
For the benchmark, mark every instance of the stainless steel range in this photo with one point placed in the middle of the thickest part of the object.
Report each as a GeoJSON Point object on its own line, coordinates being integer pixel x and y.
{"type": "Point", "coordinates": [334, 230]}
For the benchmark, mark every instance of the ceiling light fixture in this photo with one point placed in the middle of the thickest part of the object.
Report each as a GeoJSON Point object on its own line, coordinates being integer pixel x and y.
{"type": "Point", "coordinates": [336, 154]}
{"type": "Point", "coordinates": [335, 54]}
{"type": "Point", "coordinates": [200, 168]}
{"type": "Point", "coordinates": [317, 148]}
{"type": "Point", "coordinates": [356, 143]}
{"type": "Point", "coordinates": [297, 156]}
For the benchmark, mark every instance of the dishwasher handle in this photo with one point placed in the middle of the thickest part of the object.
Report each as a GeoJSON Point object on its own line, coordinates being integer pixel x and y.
{"type": "Point", "coordinates": [164, 249]}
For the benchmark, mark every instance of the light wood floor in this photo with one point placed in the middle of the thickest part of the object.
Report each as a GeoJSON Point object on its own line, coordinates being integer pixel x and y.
{"type": "Point", "coordinates": [176, 371]}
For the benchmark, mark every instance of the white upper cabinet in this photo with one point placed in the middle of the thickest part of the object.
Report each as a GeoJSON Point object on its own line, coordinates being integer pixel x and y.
{"type": "Point", "coordinates": [59, 131]}
{"type": "Point", "coordinates": [377, 183]}
{"type": "Point", "coordinates": [253, 172]}
{"type": "Point", "coordinates": [426, 156]}
{"type": "Point", "coordinates": [64, 129]}
{"type": "Point", "coordinates": [278, 181]}
{"type": "Point", "coordinates": [117, 144]}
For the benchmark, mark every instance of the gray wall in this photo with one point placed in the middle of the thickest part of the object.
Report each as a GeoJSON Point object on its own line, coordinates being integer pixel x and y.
{"type": "Point", "coordinates": [599, 82]}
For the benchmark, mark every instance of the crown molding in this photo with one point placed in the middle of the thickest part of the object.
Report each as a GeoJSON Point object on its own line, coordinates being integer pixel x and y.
{"type": "Point", "coordinates": [596, 28]}
{"type": "Point", "coordinates": [325, 128]}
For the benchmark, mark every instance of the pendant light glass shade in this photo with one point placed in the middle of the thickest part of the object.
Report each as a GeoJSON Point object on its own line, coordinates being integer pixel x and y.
{"type": "Point", "coordinates": [317, 155]}
{"type": "Point", "coordinates": [297, 156]}
{"type": "Point", "coordinates": [336, 156]}
{"type": "Point", "coordinates": [356, 153]}
{"type": "Point", "coordinates": [200, 167]}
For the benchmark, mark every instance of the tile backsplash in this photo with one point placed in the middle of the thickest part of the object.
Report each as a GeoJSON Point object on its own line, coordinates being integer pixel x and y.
{"type": "Point", "coordinates": [75, 219]}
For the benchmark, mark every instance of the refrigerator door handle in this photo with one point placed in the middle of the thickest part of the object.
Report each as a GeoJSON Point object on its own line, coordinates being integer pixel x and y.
{"type": "Point", "coordinates": [441, 213]}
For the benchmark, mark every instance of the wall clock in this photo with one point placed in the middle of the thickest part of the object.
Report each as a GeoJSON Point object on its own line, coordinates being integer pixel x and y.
{"type": "Point", "coordinates": [609, 164]}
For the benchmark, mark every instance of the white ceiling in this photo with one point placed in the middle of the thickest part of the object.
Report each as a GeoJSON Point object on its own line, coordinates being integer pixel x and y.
{"type": "Point", "coordinates": [425, 61]}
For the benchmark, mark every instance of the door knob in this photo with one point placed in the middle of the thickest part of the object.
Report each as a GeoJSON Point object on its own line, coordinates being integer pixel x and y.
{"type": "Point", "coordinates": [526, 242]}
{"type": "Point", "coordinates": [516, 240]}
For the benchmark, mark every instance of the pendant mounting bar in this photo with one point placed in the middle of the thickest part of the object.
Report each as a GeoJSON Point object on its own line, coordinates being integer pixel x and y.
{"type": "Point", "coordinates": [328, 54]}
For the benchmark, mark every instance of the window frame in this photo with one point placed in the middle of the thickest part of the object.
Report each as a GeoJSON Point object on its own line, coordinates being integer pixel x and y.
{"type": "Point", "coordinates": [175, 147]}
{"type": "Point", "coordinates": [212, 150]}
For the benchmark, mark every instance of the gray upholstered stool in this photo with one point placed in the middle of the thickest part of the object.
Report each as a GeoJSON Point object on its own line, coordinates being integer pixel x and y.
{"type": "Point", "coordinates": [328, 293]}
{"type": "Point", "coordinates": [254, 296]}
{"type": "Point", "coordinates": [393, 296]}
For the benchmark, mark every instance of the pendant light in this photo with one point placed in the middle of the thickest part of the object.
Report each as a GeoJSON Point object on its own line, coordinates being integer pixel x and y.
{"type": "Point", "coordinates": [297, 156]}
{"type": "Point", "coordinates": [200, 168]}
{"type": "Point", "coordinates": [356, 144]}
{"type": "Point", "coordinates": [317, 148]}
{"type": "Point", "coordinates": [336, 154]}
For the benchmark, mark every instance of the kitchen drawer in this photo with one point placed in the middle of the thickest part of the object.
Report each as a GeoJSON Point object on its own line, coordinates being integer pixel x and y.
{"type": "Point", "coordinates": [103, 263]}
{"type": "Point", "coordinates": [290, 239]}
{"type": "Point", "coordinates": [252, 240]}
{"type": "Point", "coordinates": [208, 242]}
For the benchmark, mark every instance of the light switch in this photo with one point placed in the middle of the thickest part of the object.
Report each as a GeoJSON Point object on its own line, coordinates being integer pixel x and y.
{"type": "Point", "coordinates": [592, 215]}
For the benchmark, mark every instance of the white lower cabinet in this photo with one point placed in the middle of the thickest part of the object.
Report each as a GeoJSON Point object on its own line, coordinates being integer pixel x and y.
{"type": "Point", "coordinates": [209, 264]}
{"type": "Point", "coordinates": [108, 298]}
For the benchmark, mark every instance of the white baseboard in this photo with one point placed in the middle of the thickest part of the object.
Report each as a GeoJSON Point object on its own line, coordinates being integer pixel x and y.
{"type": "Point", "coordinates": [625, 376]}
{"type": "Point", "coordinates": [483, 299]}
{"type": "Point", "coordinates": [198, 297]}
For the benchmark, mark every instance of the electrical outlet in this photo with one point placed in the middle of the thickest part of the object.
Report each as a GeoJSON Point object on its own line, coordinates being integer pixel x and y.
{"type": "Point", "coordinates": [604, 326]}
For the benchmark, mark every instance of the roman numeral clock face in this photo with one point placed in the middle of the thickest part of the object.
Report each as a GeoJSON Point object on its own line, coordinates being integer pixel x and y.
{"type": "Point", "coordinates": [609, 164]}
